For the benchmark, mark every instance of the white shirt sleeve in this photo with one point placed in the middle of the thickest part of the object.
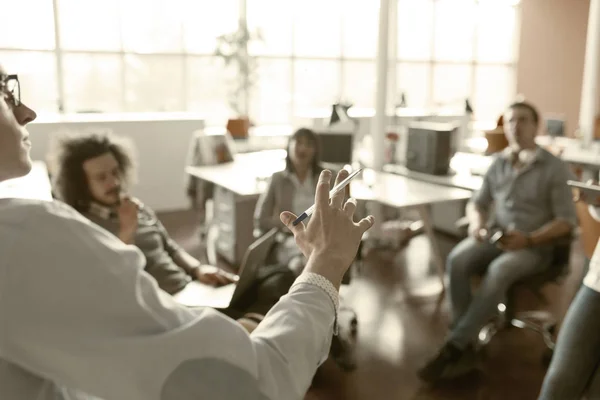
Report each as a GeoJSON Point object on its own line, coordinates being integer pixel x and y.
{"type": "Point", "coordinates": [77, 308]}
{"type": "Point", "coordinates": [594, 211]}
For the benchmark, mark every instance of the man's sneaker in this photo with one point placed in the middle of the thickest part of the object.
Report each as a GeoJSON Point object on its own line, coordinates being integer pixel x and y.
{"type": "Point", "coordinates": [466, 363]}
{"type": "Point", "coordinates": [451, 362]}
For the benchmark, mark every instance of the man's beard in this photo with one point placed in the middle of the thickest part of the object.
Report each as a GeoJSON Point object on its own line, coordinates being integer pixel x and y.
{"type": "Point", "coordinates": [114, 203]}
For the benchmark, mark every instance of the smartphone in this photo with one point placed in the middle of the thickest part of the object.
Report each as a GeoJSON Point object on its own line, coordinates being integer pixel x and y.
{"type": "Point", "coordinates": [592, 191]}
{"type": "Point", "coordinates": [496, 237]}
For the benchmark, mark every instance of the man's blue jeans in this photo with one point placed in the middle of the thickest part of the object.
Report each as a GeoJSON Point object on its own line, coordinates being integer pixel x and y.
{"type": "Point", "coordinates": [499, 269]}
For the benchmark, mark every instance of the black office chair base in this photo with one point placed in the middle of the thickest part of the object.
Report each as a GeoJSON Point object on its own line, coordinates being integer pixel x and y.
{"type": "Point", "coordinates": [541, 322]}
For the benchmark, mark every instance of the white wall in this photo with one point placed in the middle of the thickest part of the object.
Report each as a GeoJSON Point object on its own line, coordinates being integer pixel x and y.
{"type": "Point", "coordinates": [162, 143]}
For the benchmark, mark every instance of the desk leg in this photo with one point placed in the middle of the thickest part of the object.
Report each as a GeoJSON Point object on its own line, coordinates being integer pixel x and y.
{"type": "Point", "coordinates": [211, 229]}
{"type": "Point", "coordinates": [424, 212]}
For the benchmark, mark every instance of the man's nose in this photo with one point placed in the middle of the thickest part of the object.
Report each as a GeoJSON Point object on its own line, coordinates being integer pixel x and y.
{"type": "Point", "coordinates": [24, 114]}
{"type": "Point", "coordinates": [114, 184]}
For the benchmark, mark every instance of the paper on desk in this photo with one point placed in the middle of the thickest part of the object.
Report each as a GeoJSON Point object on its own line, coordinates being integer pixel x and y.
{"type": "Point", "coordinates": [197, 294]}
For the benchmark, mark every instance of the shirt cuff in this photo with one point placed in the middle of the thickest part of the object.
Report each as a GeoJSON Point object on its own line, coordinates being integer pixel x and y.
{"type": "Point", "coordinates": [324, 284]}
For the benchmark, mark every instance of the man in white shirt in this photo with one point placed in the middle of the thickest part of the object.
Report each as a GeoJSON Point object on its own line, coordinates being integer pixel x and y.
{"type": "Point", "coordinates": [108, 332]}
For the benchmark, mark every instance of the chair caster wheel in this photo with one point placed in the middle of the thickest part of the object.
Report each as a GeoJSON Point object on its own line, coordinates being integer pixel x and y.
{"type": "Point", "coordinates": [547, 357]}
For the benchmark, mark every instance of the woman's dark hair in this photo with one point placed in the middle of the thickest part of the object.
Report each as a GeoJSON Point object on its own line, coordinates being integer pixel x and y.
{"type": "Point", "coordinates": [70, 151]}
{"type": "Point", "coordinates": [314, 139]}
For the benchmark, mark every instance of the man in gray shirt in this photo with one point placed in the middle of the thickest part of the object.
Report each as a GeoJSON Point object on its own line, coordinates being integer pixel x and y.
{"type": "Point", "coordinates": [525, 195]}
{"type": "Point", "coordinates": [92, 172]}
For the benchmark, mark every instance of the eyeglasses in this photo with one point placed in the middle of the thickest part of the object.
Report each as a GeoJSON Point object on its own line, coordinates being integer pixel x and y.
{"type": "Point", "coordinates": [11, 89]}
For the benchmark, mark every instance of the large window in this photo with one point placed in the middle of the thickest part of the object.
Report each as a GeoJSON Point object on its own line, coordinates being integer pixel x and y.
{"type": "Point", "coordinates": [451, 50]}
{"type": "Point", "coordinates": [158, 55]}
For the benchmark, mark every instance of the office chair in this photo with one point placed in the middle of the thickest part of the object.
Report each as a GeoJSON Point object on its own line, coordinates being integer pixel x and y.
{"type": "Point", "coordinates": [540, 321]}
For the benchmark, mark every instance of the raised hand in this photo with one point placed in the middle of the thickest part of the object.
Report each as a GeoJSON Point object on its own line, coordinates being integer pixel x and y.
{"type": "Point", "coordinates": [331, 239]}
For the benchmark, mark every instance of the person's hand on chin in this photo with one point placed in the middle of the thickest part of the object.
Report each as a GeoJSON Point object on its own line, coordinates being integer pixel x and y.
{"type": "Point", "coordinates": [128, 219]}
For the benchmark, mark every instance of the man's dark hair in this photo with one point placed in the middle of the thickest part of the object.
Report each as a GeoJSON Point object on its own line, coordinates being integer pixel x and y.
{"type": "Point", "coordinates": [67, 155]}
{"type": "Point", "coordinates": [527, 106]}
{"type": "Point", "coordinates": [314, 139]}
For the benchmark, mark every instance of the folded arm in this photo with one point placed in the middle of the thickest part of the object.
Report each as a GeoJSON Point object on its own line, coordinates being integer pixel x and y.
{"type": "Point", "coordinates": [186, 261]}
{"type": "Point", "coordinates": [180, 257]}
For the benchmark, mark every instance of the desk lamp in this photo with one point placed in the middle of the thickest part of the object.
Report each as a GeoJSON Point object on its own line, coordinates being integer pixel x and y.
{"type": "Point", "coordinates": [339, 113]}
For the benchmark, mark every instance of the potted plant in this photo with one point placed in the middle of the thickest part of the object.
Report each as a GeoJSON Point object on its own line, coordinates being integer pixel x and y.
{"type": "Point", "coordinates": [233, 49]}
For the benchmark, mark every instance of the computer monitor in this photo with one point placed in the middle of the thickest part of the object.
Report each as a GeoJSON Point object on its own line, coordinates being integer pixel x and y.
{"type": "Point", "coordinates": [336, 148]}
{"type": "Point", "coordinates": [555, 127]}
{"type": "Point", "coordinates": [429, 147]}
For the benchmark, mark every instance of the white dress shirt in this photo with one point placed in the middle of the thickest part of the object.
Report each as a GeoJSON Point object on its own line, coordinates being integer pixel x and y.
{"type": "Point", "coordinates": [592, 278]}
{"type": "Point", "coordinates": [80, 319]}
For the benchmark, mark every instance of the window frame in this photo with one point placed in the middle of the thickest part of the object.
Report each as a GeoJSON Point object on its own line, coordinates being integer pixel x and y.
{"type": "Point", "coordinates": [342, 60]}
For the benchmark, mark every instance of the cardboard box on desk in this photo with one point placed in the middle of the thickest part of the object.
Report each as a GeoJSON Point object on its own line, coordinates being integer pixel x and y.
{"type": "Point", "coordinates": [496, 141]}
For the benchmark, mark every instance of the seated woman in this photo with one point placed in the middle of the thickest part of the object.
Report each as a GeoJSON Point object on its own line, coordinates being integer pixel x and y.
{"type": "Point", "coordinates": [294, 189]}
{"type": "Point", "coordinates": [291, 189]}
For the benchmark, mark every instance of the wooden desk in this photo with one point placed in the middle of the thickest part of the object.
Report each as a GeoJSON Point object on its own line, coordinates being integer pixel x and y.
{"type": "Point", "coordinates": [587, 157]}
{"type": "Point", "coordinates": [463, 177]}
{"type": "Point", "coordinates": [246, 175]}
{"type": "Point", "coordinates": [461, 180]}
{"type": "Point", "coordinates": [405, 193]}
{"type": "Point", "coordinates": [401, 192]}
{"type": "Point", "coordinates": [35, 185]}
{"type": "Point", "coordinates": [238, 185]}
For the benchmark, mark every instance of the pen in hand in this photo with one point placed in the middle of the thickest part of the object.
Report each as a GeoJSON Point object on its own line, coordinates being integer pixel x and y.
{"type": "Point", "coordinates": [336, 189]}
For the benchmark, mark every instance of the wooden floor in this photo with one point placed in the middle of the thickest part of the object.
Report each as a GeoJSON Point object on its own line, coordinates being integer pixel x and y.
{"type": "Point", "coordinates": [402, 322]}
